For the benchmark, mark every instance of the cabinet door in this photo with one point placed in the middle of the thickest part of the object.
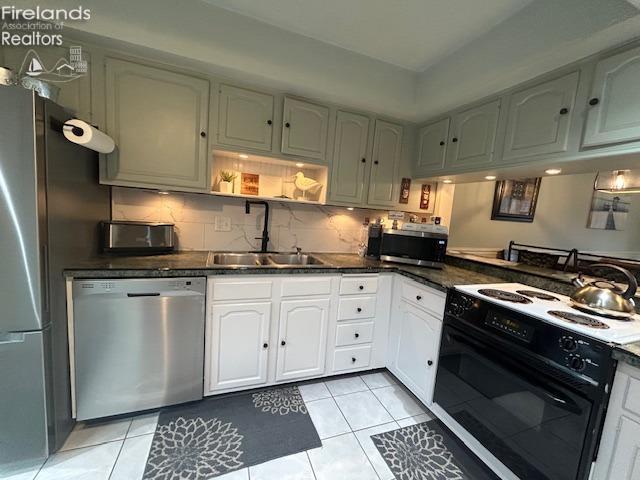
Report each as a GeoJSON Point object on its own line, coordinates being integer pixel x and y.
{"type": "Point", "coordinates": [432, 146]}
{"type": "Point", "coordinates": [625, 462]}
{"type": "Point", "coordinates": [540, 117]}
{"type": "Point", "coordinates": [304, 128]}
{"type": "Point", "coordinates": [387, 148]}
{"type": "Point", "coordinates": [415, 352]}
{"type": "Point", "coordinates": [245, 118]}
{"type": "Point", "coordinates": [236, 355]}
{"type": "Point", "coordinates": [158, 120]}
{"type": "Point", "coordinates": [473, 136]}
{"type": "Point", "coordinates": [615, 100]}
{"type": "Point", "coordinates": [349, 158]}
{"type": "Point", "coordinates": [303, 338]}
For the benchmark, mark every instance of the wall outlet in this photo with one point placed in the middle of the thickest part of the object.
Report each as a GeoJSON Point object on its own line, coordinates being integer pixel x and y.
{"type": "Point", "coordinates": [222, 224]}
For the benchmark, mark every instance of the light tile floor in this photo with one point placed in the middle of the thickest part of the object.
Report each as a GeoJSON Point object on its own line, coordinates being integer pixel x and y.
{"type": "Point", "coordinates": [345, 411]}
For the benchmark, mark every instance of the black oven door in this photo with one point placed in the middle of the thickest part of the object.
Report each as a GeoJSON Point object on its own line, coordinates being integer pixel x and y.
{"type": "Point", "coordinates": [529, 421]}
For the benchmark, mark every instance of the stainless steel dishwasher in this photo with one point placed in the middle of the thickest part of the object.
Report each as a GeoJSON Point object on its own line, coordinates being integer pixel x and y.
{"type": "Point", "coordinates": [137, 344]}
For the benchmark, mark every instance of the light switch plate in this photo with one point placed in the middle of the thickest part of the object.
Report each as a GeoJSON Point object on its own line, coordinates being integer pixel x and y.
{"type": "Point", "coordinates": [222, 224]}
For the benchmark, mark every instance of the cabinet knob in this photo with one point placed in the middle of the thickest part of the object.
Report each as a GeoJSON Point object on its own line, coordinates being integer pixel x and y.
{"type": "Point", "coordinates": [564, 111]}
{"type": "Point", "coordinates": [269, 122]}
{"type": "Point", "coordinates": [203, 134]}
{"type": "Point", "coordinates": [454, 139]}
{"type": "Point", "coordinates": [359, 310]}
{"type": "Point", "coordinates": [287, 125]}
{"type": "Point", "coordinates": [353, 360]}
{"type": "Point", "coordinates": [357, 335]}
{"type": "Point", "coordinates": [361, 287]}
{"type": "Point", "coordinates": [429, 362]}
{"type": "Point", "coordinates": [265, 345]}
{"type": "Point", "coordinates": [283, 343]}
{"type": "Point", "coordinates": [375, 162]}
{"type": "Point", "coordinates": [441, 143]}
{"type": "Point", "coordinates": [418, 297]}
{"type": "Point", "coordinates": [594, 101]}
{"type": "Point", "coordinates": [364, 160]}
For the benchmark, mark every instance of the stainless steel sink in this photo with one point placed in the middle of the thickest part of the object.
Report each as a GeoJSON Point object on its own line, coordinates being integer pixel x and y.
{"type": "Point", "coordinates": [241, 259]}
{"type": "Point", "coordinates": [294, 259]}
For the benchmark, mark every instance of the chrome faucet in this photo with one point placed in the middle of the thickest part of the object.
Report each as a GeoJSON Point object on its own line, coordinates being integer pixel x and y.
{"type": "Point", "coordinates": [265, 228]}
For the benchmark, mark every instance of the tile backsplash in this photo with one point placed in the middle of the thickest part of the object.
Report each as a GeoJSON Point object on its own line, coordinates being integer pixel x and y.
{"type": "Point", "coordinates": [313, 228]}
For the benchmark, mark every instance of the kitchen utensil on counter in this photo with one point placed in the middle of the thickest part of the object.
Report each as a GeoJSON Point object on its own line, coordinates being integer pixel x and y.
{"type": "Point", "coordinates": [602, 297]}
{"type": "Point", "coordinates": [8, 76]}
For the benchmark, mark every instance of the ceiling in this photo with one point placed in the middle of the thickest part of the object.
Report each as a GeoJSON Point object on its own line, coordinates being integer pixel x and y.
{"type": "Point", "coordinates": [412, 34]}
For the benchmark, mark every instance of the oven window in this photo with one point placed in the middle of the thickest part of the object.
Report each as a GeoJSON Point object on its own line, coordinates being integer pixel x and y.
{"type": "Point", "coordinates": [419, 248]}
{"type": "Point", "coordinates": [534, 426]}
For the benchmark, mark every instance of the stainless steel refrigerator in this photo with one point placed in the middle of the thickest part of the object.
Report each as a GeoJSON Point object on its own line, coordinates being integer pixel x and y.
{"type": "Point", "coordinates": [50, 206]}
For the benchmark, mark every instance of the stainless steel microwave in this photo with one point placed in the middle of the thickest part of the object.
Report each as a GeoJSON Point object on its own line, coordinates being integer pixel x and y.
{"type": "Point", "coordinates": [423, 248]}
{"type": "Point", "coordinates": [140, 238]}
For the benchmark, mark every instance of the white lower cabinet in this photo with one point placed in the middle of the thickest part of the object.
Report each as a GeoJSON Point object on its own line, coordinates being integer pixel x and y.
{"type": "Point", "coordinates": [619, 455]}
{"type": "Point", "coordinates": [303, 338]}
{"type": "Point", "coordinates": [414, 341]}
{"type": "Point", "coordinates": [238, 341]}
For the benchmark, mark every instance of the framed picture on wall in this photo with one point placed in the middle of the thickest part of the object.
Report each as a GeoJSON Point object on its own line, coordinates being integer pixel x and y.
{"type": "Point", "coordinates": [515, 200]}
{"type": "Point", "coordinates": [608, 211]}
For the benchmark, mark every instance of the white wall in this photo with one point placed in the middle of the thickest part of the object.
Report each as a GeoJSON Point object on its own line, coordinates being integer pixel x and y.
{"type": "Point", "coordinates": [560, 220]}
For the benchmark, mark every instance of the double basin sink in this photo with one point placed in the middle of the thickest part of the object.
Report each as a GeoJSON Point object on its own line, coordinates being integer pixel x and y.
{"type": "Point", "coordinates": [263, 259]}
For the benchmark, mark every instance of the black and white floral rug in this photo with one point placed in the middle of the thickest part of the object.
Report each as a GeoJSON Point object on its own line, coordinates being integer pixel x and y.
{"type": "Point", "coordinates": [429, 451]}
{"type": "Point", "coordinates": [219, 435]}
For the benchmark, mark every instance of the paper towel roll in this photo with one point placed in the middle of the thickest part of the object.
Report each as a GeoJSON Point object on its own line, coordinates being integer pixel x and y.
{"type": "Point", "coordinates": [82, 133]}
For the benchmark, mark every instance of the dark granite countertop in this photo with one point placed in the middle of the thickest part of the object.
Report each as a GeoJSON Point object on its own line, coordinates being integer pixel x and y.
{"type": "Point", "coordinates": [189, 264]}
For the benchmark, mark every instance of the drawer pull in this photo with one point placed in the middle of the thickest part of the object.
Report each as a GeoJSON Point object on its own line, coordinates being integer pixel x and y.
{"type": "Point", "coordinates": [265, 345]}
{"type": "Point", "coordinates": [418, 297]}
{"type": "Point", "coordinates": [361, 287]}
{"type": "Point", "coordinates": [357, 335]}
{"type": "Point", "coordinates": [359, 310]}
{"type": "Point", "coordinates": [429, 362]}
{"type": "Point", "coordinates": [353, 360]}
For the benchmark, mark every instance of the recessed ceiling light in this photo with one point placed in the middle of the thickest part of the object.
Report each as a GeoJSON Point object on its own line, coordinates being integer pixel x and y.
{"type": "Point", "coordinates": [553, 171]}
{"type": "Point", "coordinates": [447, 181]}
{"type": "Point", "coordinates": [163, 192]}
{"type": "Point", "coordinates": [350, 209]}
{"type": "Point", "coordinates": [299, 165]}
{"type": "Point", "coordinates": [242, 155]}
{"type": "Point", "coordinates": [490, 177]}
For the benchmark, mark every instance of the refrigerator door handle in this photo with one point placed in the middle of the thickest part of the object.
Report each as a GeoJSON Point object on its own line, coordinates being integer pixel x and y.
{"type": "Point", "coordinates": [6, 338]}
{"type": "Point", "coordinates": [45, 279]}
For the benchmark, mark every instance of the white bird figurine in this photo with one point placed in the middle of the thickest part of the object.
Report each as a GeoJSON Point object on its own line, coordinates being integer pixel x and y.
{"type": "Point", "coordinates": [306, 184]}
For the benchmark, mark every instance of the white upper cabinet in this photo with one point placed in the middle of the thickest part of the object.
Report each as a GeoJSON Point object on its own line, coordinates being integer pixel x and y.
{"type": "Point", "coordinates": [304, 129]}
{"type": "Point", "coordinates": [539, 118]}
{"type": "Point", "coordinates": [615, 100]}
{"type": "Point", "coordinates": [245, 118]}
{"type": "Point", "coordinates": [159, 121]}
{"type": "Point", "coordinates": [302, 338]}
{"type": "Point", "coordinates": [237, 345]}
{"type": "Point", "coordinates": [387, 148]}
{"type": "Point", "coordinates": [473, 136]}
{"type": "Point", "coordinates": [349, 158]}
{"type": "Point", "coordinates": [432, 146]}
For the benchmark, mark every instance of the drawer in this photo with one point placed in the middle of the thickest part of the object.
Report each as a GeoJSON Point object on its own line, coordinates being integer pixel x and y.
{"type": "Point", "coordinates": [354, 333]}
{"type": "Point", "coordinates": [350, 358]}
{"type": "Point", "coordinates": [353, 284]}
{"type": "Point", "coordinates": [354, 308]}
{"type": "Point", "coordinates": [306, 286]}
{"type": "Point", "coordinates": [424, 297]}
{"type": "Point", "coordinates": [632, 396]}
{"type": "Point", "coordinates": [241, 289]}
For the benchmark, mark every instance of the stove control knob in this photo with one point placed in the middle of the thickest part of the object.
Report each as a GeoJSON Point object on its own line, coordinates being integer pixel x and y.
{"type": "Point", "coordinates": [576, 363]}
{"type": "Point", "coordinates": [568, 344]}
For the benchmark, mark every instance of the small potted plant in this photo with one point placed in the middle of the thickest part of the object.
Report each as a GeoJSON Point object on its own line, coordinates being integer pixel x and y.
{"type": "Point", "coordinates": [226, 181]}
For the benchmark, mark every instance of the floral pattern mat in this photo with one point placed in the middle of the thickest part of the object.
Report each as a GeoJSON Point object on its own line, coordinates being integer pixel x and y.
{"type": "Point", "coordinates": [429, 451]}
{"type": "Point", "coordinates": [219, 435]}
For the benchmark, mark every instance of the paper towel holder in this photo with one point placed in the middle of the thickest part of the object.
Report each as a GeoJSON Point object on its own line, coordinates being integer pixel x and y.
{"type": "Point", "coordinates": [59, 126]}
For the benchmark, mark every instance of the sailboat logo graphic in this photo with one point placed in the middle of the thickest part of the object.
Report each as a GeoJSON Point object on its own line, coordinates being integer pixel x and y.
{"type": "Point", "coordinates": [64, 70]}
{"type": "Point", "coordinates": [35, 67]}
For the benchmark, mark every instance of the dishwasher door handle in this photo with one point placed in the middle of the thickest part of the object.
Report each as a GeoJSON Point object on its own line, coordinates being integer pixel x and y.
{"type": "Point", "coordinates": [134, 295]}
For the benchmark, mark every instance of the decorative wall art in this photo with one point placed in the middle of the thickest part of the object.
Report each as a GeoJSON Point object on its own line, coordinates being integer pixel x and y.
{"type": "Point", "coordinates": [405, 189]}
{"type": "Point", "coordinates": [250, 184]}
{"type": "Point", "coordinates": [515, 200]}
{"type": "Point", "coordinates": [425, 196]}
{"type": "Point", "coordinates": [608, 211]}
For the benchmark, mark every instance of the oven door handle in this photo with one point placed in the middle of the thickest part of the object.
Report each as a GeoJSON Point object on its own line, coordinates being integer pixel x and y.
{"type": "Point", "coordinates": [507, 361]}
